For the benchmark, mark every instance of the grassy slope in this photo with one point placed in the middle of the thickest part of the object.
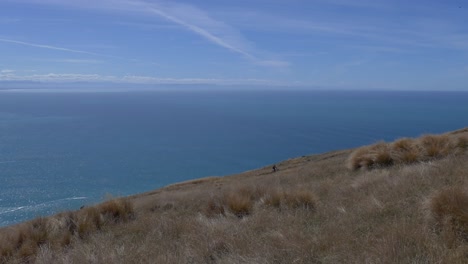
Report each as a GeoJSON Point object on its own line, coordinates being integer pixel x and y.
{"type": "Point", "coordinates": [314, 210]}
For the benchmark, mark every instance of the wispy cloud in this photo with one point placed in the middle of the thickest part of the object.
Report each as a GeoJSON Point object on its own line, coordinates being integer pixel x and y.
{"type": "Point", "coordinates": [202, 24]}
{"type": "Point", "coordinates": [187, 16]}
{"type": "Point", "coordinates": [10, 76]}
{"type": "Point", "coordinates": [215, 31]}
{"type": "Point", "coordinates": [407, 34]}
{"type": "Point", "coordinates": [35, 45]}
{"type": "Point", "coordinates": [7, 74]}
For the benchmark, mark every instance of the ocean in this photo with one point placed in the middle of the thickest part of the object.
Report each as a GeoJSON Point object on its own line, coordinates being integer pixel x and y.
{"type": "Point", "coordinates": [62, 150]}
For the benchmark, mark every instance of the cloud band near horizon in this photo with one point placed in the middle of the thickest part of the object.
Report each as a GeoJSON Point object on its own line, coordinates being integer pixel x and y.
{"type": "Point", "coordinates": [11, 76]}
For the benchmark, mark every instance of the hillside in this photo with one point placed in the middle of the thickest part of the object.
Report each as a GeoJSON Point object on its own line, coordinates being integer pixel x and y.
{"type": "Point", "coordinates": [400, 202]}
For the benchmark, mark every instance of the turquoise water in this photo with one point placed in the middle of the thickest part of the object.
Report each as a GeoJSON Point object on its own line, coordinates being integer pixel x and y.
{"type": "Point", "coordinates": [63, 150]}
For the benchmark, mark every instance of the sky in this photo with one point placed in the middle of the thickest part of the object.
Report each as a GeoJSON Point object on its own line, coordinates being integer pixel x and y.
{"type": "Point", "coordinates": [310, 44]}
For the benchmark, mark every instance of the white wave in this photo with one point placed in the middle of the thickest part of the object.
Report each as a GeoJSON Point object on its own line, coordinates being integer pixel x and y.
{"type": "Point", "coordinates": [5, 210]}
{"type": "Point", "coordinates": [54, 203]}
{"type": "Point", "coordinates": [76, 198]}
{"type": "Point", "coordinates": [36, 207]}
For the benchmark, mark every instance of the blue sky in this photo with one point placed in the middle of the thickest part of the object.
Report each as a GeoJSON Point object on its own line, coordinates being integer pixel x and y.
{"type": "Point", "coordinates": [313, 44]}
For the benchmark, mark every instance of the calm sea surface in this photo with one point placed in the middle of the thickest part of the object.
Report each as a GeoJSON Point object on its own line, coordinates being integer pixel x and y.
{"type": "Point", "coordinates": [63, 150]}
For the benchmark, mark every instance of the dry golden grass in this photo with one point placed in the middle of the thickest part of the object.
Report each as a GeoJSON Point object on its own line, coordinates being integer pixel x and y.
{"type": "Point", "coordinates": [274, 198]}
{"type": "Point", "coordinates": [304, 199]}
{"type": "Point", "coordinates": [239, 203]}
{"type": "Point", "coordinates": [407, 151]}
{"type": "Point", "coordinates": [462, 143]}
{"type": "Point", "coordinates": [314, 210]}
{"type": "Point", "coordinates": [449, 212]}
{"type": "Point", "coordinates": [114, 211]}
{"type": "Point", "coordinates": [21, 243]}
{"type": "Point", "coordinates": [215, 208]}
{"type": "Point", "coordinates": [297, 198]}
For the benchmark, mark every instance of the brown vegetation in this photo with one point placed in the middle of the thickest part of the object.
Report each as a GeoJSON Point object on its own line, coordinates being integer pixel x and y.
{"type": "Point", "coordinates": [313, 210]}
{"type": "Point", "coordinates": [449, 213]}
{"type": "Point", "coordinates": [239, 203]}
{"type": "Point", "coordinates": [406, 151]}
{"type": "Point", "coordinates": [22, 242]}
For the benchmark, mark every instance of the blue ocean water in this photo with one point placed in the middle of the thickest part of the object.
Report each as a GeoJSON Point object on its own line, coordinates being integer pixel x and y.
{"type": "Point", "coordinates": [62, 150]}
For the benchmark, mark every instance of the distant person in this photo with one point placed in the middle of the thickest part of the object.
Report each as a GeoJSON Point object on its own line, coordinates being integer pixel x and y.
{"type": "Point", "coordinates": [275, 169]}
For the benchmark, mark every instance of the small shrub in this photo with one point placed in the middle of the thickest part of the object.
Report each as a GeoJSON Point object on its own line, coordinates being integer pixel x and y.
{"type": "Point", "coordinates": [449, 212]}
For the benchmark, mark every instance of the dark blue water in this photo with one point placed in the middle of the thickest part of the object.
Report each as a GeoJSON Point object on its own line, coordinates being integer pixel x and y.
{"type": "Point", "coordinates": [62, 150]}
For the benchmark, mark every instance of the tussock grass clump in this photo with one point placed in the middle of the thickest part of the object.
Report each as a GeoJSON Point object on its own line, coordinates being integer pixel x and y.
{"type": "Point", "coordinates": [242, 201]}
{"type": "Point", "coordinates": [88, 220]}
{"type": "Point", "coordinates": [291, 198]}
{"type": "Point", "coordinates": [23, 242]}
{"type": "Point", "coordinates": [360, 158]}
{"type": "Point", "coordinates": [116, 210]}
{"type": "Point", "coordinates": [371, 156]}
{"type": "Point", "coordinates": [449, 213]}
{"type": "Point", "coordinates": [239, 203]}
{"type": "Point", "coordinates": [407, 151]}
{"type": "Point", "coordinates": [274, 198]}
{"type": "Point", "coordinates": [304, 199]}
{"type": "Point", "coordinates": [433, 146]}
